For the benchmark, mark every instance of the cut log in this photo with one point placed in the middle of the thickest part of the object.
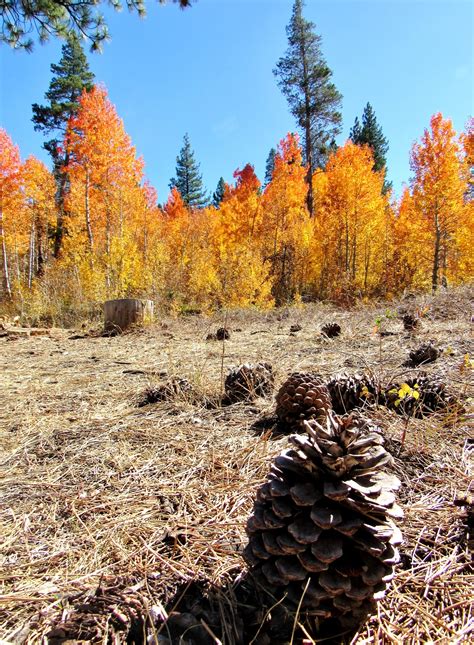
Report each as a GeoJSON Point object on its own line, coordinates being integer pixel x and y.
{"type": "Point", "coordinates": [24, 332]}
{"type": "Point", "coordinates": [121, 314]}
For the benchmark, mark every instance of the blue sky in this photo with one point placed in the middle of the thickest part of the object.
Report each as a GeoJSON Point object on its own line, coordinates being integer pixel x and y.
{"type": "Point", "coordinates": [208, 71]}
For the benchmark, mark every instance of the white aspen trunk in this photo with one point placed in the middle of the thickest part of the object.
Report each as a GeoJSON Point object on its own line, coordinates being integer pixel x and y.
{"type": "Point", "coordinates": [436, 252]}
{"type": "Point", "coordinates": [88, 215]}
{"type": "Point", "coordinates": [31, 264]}
{"type": "Point", "coordinates": [6, 275]}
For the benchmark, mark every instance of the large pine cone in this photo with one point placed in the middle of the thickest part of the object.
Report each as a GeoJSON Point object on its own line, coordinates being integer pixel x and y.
{"type": "Point", "coordinates": [303, 396]}
{"type": "Point", "coordinates": [246, 382]}
{"type": "Point", "coordinates": [321, 531]}
{"type": "Point", "coordinates": [350, 392]}
{"type": "Point", "coordinates": [419, 395]}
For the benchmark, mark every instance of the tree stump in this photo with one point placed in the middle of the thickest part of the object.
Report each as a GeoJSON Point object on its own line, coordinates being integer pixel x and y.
{"type": "Point", "coordinates": [120, 314]}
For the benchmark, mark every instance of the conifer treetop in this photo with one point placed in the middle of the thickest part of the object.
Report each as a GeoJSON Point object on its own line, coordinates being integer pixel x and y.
{"type": "Point", "coordinates": [370, 133]}
{"type": "Point", "coordinates": [218, 194]}
{"type": "Point", "coordinates": [269, 166]}
{"type": "Point", "coordinates": [70, 77]}
{"type": "Point", "coordinates": [305, 79]}
{"type": "Point", "coordinates": [188, 179]}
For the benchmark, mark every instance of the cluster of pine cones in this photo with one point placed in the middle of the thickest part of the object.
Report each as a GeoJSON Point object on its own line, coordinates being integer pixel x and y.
{"type": "Point", "coordinates": [322, 538]}
{"type": "Point", "coordinates": [322, 541]}
{"type": "Point", "coordinates": [306, 394]}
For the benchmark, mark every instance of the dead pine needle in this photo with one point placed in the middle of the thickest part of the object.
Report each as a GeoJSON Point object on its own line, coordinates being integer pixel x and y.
{"type": "Point", "coordinates": [116, 519]}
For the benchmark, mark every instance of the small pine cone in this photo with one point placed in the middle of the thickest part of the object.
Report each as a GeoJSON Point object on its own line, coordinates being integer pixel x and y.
{"type": "Point", "coordinates": [222, 334]}
{"type": "Point", "coordinates": [426, 353]}
{"type": "Point", "coordinates": [246, 382]}
{"type": "Point", "coordinates": [419, 396]}
{"type": "Point", "coordinates": [350, 392]}
{"type": "Point", "coordinates": [331, 330]}
{"type": "Point", "coordinates": [410, 322]}
{"type": "Point", "coordinates": [321, 532]}
{"type": "Point", "coordinates": [173, 388]}
{"type": "Point", "coordinates": [303, 396]}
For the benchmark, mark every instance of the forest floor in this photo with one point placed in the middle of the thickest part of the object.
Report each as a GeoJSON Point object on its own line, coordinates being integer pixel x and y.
{"type": "Point", "coordinates": [113, 516]}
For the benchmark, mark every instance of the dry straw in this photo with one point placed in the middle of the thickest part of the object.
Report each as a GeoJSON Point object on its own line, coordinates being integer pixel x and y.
{"type": "Point", "coordinates": [111, 513]}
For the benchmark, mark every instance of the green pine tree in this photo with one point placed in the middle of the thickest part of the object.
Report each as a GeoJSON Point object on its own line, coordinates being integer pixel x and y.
{"type": "Point", "coordinates": [70, 77]}
{"type": "Point", "coordinates": [45, 18]}
{"type": "Point", "coordinates": [305, 79]}
{"type": "Point", "coordinates": [356, 131]}
{"type": "Point", "coordinates": [218, 195]}
{"type": "Point", "coordinates": [370, 133]}
{"type": "Point", "coordinates": [188, 180]}
{"type": "Point", "coordinates": [269, 166]}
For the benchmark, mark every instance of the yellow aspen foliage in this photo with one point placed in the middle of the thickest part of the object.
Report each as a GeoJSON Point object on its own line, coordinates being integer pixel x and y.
{"type": "Point", "coordinates": [258, 248]}
{"type": "Point", "coordinates": [189, 275]}
{"type": "Point", "coordinates": [175, 231]}
{"type": "Point", "coordinates": [285, 225]}
{"type": "Point", "coordinates": [411, 252]}
{"type": "Point", "coordinates": [39, 190]}
{"type": "Point", "coordinates": [467, 140]}
{"type": "Point", "coordinates": [148, 235]}
{"type": "Point", "coordinates": [464, 234]}
{"type": "Point", "coordinates": [240, 269]}
{"type": "Point", "coordinates": [439, 187]}
{"type": "Point", "coordinates": [350, 225]}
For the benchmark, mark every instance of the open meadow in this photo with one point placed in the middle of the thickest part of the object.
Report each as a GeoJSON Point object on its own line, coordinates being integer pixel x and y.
{"type": "Point", "coordinates": [116, 515]}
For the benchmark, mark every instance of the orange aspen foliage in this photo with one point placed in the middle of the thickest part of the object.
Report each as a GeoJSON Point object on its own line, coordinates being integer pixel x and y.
{"type": "Point", "coordinates": [286, 226]}
{"type": "Point", "coordinates": [105, 194]}
{"type": "Point", "coordinates": [241, 204]}
{"type": "Point", "coordinates": [175, 206]}
{"type": "Point", "coordinates": [10, 200]}
{"type": "Point", "coordinates": [438, 187]}
{"type": "Point", "coordinates": [350, 225]}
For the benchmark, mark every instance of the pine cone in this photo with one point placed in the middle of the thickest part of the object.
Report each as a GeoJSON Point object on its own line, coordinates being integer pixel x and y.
{"type": "Point", "coordinates": [222, 334]}
{"type": "Point", "coordinates": [246, 382]}
{"type": "Point", "coordinates": [331, 330]}
{"type": "Point", "coordinates": [410, 322]}
{"type": "Point", "coordinates": [303, 396]}
{"type": "Point", "coordinates": [350, 392]}
{"type": "Point", "coordinates": [321, 531]}
{"type": "Point", "coordinates": [419, 395]}
{"type": "Point", "coordinates": [295, 328]}
{"type": "Point", "coordinates": [426, 353]}
{"type": "Point", "coordinates": [169, 390]}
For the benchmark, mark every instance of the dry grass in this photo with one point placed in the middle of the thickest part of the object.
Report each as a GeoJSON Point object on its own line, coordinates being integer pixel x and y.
{"type": "Point", "coordinates": [108, 510]}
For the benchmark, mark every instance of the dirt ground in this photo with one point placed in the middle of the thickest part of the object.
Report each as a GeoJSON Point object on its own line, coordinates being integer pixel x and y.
{"type": "Point", "coordinates": [111, 515]}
